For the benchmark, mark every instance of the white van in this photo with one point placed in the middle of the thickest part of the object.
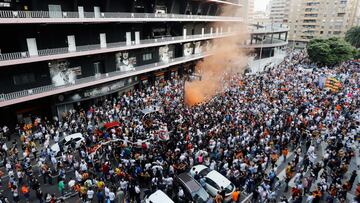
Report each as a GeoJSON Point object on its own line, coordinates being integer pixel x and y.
{"type": "Point", "coordinates": [158, 197]}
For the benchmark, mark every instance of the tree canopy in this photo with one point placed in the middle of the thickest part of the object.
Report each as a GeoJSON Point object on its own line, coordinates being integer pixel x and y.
{"type": "Point", "coordinates": [353, 36]}
{"type": "Point", "coordinates": [330, 51]}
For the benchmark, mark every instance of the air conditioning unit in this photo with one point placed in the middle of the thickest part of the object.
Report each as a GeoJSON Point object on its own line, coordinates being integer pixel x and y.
{"type": "Point", "coordinates": [15, 14]}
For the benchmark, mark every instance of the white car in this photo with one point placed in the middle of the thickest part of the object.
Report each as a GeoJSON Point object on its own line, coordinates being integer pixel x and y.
{"type": "Point", "coordinates": [65, 143]}
{"type": "Point", "coordinates": [158, 197]}
{"type": "Point", "coordinates": [214, 181]}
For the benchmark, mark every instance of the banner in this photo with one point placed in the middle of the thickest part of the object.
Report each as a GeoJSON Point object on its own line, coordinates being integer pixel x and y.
{"type": "Point", "coordinates": [61, 73]}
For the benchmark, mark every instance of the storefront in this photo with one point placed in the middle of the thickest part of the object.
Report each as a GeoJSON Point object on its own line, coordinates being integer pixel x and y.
{"type": "Point", "coordinates": [84, 98]}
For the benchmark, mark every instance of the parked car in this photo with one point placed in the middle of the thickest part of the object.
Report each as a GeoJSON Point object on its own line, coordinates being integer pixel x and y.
{"type": "Point", "coordinates": [65, 143]}
{"type": "Point", "coordinates": [192, 189]}
{"type": "Point", "coordinates": [158, 197]}
{"type": "Point", "coordinates": [214, 181]}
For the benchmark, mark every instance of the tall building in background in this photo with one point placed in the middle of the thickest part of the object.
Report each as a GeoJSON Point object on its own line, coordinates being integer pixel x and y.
{"type": "Point", "coordinates": [278, 11]}
{"type": "Point", "coordinates": [260, 18]}
{"type": "Point", "coordinates": [308, 19]}
{"type": "Point", "coordinates": [247, 9]}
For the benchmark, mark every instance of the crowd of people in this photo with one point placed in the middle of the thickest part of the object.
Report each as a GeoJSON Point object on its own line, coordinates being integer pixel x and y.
{"type": "Point", "coordinates": [252, 129]}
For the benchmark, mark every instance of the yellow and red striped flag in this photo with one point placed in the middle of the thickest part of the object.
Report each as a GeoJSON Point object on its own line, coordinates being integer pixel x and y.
{"type": "Point", "coordinates": [333, 84]}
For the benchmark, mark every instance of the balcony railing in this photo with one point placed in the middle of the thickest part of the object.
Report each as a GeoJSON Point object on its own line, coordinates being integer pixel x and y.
{"type": "Point", "coordinates": [39, 92]}
{"type": "Point", "coordinates": [267, 43]}
{"type": "Point", "coordinates": [65, 16]}
{"type": "Point", "coordinates": [268, 29]}
{"type": "Point", "coordinates": [14, 58]}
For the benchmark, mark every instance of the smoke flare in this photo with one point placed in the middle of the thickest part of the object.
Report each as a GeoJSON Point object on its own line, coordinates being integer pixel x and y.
{"type": "Point", "coordinates": [227, 58]}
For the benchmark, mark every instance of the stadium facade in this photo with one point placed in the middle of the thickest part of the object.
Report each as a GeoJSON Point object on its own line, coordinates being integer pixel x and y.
{"type": "Point", "coordinates": [59, 55]}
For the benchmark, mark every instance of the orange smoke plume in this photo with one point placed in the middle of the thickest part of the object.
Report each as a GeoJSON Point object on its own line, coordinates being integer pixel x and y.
{"type": "Point", "coordinates": [227, 58]}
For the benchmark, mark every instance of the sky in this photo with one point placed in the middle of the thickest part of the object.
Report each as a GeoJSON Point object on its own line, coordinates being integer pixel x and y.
{"type": "Point", "coordinates": [260, 5]}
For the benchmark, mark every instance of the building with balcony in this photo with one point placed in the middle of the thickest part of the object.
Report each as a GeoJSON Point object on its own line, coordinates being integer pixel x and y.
{"type": "Point", "coordinates": [278, 10]}
{"type": "Point", "coordinates": [247, 9]}
{"type": "Point", "coordinates": [308, 19]}
{"type": "Point", "coordinates": [266, 41]}
{"type": "Point", "coordinates": [60, 55]}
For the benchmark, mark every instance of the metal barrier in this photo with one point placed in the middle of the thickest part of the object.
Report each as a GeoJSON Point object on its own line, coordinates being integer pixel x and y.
{"type": "Point", "coordinates": [74, 14]}
{"type": "Point", "coordinates": [14, 55]}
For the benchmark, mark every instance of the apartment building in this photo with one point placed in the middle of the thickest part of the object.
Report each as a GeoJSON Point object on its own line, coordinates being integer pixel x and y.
{"type": "Point", "coordinates": [308, 19]}
{"type": "Point", "coordinates": [247, 9]}
{"type": "Point", "coordinates": [59, 55]}
{"type": "Point", "coordinates": [278, 11]}
{"type": "Point", "coordinates": [260, 18]}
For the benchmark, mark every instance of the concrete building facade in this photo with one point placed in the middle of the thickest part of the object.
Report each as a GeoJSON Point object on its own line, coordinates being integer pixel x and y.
{"type": "Point", "coordinates": [60, 55]}
{"type": "Point", "coordinates": [308, 19]}
{"type": "Point", "coordinates": [278, 11]}
{"type": "Point", "coordinates": [247, 9]}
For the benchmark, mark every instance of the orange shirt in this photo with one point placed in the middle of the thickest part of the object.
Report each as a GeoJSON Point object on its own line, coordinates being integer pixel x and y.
{"type": "Point", "coordinates": [235, 196]}
{"type": "Point", "coordinates": [24, 189]}
{"type": "Point", "coordinates": [338, 107]}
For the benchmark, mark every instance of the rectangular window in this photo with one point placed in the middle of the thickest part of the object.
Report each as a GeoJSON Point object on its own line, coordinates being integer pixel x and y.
{"type": "Point", "coordinates": [311, 15]}
{"type": "Point", "coordinates": [309, 26]}
{"type": "Point", "coordinates": [309, 21]}
{"type": "Point", "coordinates": [312, 3]}
{"type": "Point", "coordinates": [147, 57]}
{"type": "Point", "coordinates": [23, 79]}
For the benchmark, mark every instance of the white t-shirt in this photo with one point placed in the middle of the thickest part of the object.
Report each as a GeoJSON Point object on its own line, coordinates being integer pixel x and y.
{"type": "Point", "coordinates": [90, 194]}
{"type": "Point", "coordinates": [107, 191]}
{"type": "Point", "coordinates": [111, 196]}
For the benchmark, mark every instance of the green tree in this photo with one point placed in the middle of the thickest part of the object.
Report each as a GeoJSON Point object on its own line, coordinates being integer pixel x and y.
{"type": "Point", "coordinates": [353, 36]}
{"type": "Point", "coordinates": [330, 51]}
